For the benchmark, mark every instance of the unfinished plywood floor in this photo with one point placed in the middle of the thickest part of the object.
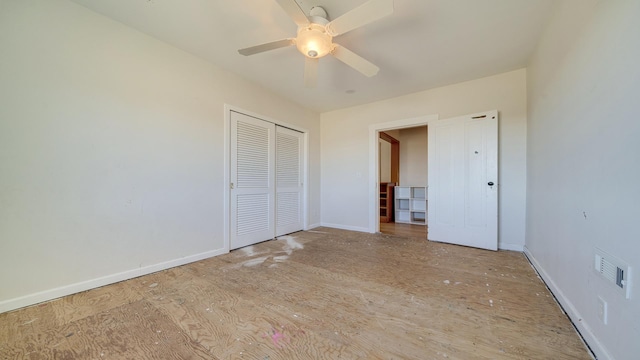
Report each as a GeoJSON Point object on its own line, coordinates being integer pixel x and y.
{"type": "Point", "coordinates": [327, 294]}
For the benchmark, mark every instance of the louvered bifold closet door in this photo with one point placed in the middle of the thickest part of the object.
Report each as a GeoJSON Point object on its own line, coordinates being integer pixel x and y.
{"type": "Point", "coordinates": [289, 183]}
{"type": "Point", "coordinates": [252, 180]}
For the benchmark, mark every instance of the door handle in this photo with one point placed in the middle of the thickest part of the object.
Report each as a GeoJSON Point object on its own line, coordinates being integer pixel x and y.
{"type": "Point", "coordinates": [490, 183]}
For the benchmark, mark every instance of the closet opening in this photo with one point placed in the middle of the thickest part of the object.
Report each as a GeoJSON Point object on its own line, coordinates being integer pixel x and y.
{"type": "Point", "coordinates": [266, 196]}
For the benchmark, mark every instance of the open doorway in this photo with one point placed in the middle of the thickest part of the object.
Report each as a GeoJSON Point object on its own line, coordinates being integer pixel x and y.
{"type": "Point", "coordinates": [374, 161]}
{"type": "Point", "coordinates": [402, 179]}
{"type": "Point", "coordinates": [462, 166]}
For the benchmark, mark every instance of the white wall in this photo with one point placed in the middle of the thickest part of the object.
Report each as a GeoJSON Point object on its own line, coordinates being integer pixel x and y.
{"type": "Point", "coordinates": [413, 156]}
{"type": "Point", "coordinates": [345, 178]}
{"type": "Point", "coordinates": [111, 151]}
{"type": "Point", "coordinates": [584, 164]}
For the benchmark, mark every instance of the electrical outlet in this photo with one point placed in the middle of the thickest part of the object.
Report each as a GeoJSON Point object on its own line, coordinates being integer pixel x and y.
{"type": "Point", "coordinates": [602, 310]}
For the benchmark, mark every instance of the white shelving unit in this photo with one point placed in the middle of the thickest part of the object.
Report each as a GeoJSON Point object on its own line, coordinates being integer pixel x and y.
{"type": "Point", "coordinates": [411, 204]}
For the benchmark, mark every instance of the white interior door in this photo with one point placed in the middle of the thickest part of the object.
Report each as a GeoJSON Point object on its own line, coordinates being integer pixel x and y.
{"type": "Point", "coordinates": [252, 204]}
{"type": "Point", "coordinates": [463, 180]}
{"type": "Point", "coordinates": [288, 181]}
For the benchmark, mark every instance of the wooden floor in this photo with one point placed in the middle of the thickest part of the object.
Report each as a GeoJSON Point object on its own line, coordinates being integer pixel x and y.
{"type": "Point", "coordinates": [323, 294]}
{"type": "Point", "coordinates": [409, 230]}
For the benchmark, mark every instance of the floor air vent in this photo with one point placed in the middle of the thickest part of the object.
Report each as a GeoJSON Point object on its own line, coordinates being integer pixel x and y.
{"type": "Point", "coordinates": [614, 271]}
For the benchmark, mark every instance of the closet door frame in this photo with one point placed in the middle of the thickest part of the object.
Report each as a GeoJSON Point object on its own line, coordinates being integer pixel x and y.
{"type": "Point", "coordinates": [227, 168]}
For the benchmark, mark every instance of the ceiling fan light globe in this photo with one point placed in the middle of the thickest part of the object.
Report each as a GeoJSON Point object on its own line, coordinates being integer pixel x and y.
{"type": "Point", "coordinates": [313, 41]}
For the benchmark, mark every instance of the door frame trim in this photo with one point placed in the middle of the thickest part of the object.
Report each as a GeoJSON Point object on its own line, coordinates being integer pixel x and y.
{"type": "Point", "coordinates": [374, 135]}
{"type": "Point", "coordinates": [226, 203]}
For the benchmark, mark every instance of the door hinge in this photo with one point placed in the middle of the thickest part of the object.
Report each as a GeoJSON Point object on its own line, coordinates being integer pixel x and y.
{"type": "Point", "coordinates": [231, 186]}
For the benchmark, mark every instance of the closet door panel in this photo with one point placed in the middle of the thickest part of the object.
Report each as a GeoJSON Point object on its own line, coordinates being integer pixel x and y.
{"type": "Point", "coordinates": [252, 180]}
{"type": "Point", "coordinates": [289, 185]}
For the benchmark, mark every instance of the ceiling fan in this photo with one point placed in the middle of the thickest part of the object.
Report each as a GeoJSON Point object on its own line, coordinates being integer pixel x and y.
{"type": "Point", "coordinates": [316, 33]}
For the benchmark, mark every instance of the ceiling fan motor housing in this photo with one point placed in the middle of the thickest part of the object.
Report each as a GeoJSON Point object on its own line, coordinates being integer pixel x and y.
{"type": "Point", "coordinates": [319, 11]}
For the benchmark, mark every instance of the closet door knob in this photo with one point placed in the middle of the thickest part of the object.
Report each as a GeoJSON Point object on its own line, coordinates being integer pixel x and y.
{"type": "Point", "coordinates": [490, 183]}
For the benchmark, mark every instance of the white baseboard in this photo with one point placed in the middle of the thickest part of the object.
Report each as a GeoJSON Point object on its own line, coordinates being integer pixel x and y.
{"type": "Point", "coordinates": [510, 247]}
{"type": "Point", "coordinates": [578, 321]}
{"type": "Point", "coordinates": [346, 227]}
{"type": "Point", "coordinates": [313, 226]}
{"type": "Point", "coordinates": [32, 299]}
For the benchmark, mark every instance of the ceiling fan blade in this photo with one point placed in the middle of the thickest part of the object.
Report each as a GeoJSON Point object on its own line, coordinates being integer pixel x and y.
{"type": "Point", "coordinates": [355, 61]}
{"type": "Point", "coordinates": [266, 47]}
{"type": "Point", "coordinates": [294, 11]}
{"type": "Point", "coordinates": [310, 72]}
{"type": "Point", "coordinates": [362, 15]}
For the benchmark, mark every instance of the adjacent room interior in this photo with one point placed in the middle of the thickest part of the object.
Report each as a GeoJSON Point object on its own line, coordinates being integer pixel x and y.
{"type": "Point", "coordinates": [169, 188]}
{"type": "Point", "coordinates": [403, 167]}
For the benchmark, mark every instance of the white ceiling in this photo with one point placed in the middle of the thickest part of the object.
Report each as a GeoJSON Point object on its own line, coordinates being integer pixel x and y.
{"type": "Point", "coordinates": [424, 44]}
